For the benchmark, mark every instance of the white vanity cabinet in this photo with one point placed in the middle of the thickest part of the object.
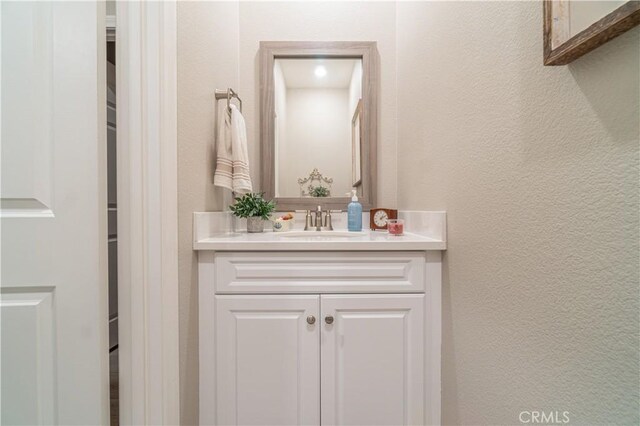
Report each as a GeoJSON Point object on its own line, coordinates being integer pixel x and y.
{"type": "Point", "coordinates": [320, 359]}
{"type": "Point", "coordinates": [319, 331]}
{"type": "Point", "coordinates": [319, 338]}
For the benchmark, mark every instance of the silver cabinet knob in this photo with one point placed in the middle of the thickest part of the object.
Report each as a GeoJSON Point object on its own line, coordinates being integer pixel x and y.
{"type": "Point", "coordinates": [311, 319]}
{"type": "Point", "coordinates": [328, 319]}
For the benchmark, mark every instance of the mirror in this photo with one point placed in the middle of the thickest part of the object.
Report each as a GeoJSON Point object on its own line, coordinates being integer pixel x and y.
{"type": "Point", "coordinates": [573, 28]}
{"type": "Point", "coordinates": [318, 123]}
{"type": "Point", "coordinates": [315, 103]}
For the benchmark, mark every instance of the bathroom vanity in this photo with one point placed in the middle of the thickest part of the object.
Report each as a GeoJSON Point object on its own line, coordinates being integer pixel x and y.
{"type": "Point", "coordinates": [320, 327]}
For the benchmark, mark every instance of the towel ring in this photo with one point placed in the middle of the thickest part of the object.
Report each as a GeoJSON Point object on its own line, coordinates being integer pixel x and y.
{"type": "Point", "coordinates": [228, 95]}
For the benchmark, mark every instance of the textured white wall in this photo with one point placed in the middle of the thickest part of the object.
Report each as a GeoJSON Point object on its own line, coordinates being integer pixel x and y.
{"type": "Point", "coordinates": [207, 60]}
{"type": "Point", "coordinates": [537, 168]}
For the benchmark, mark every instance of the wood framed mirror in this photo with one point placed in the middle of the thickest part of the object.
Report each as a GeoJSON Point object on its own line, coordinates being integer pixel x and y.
{"type": "Point", "coordinates": [573, 28]}
{"type": "Point", "coordinates": [309, 93]}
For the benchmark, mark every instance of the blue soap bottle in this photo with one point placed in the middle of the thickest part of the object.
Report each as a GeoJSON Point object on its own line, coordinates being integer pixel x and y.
{"type": "Point", "coordinates": [354, 213]}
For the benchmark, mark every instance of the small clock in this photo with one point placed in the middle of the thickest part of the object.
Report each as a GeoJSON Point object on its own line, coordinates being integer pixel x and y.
{"type": "Point", "coordinates": [378, 218]}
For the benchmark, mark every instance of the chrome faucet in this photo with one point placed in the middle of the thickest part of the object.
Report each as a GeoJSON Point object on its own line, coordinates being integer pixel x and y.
{"type": "Point", "coordinates": [315, 220]}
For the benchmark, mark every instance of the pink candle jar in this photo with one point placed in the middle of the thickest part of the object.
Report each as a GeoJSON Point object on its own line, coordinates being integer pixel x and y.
{"type": "Point", "coordinates": [395, 226]}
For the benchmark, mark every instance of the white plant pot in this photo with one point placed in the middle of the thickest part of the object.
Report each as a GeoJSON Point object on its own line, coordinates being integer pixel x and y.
{"type": "Point", "coordinates": [255, 224]}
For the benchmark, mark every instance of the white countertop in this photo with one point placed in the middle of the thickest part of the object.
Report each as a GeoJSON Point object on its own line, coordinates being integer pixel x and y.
{"type": "Point", "coordinates": [316, 241]}
{"type": "Point", "coordinates": [426, 231]}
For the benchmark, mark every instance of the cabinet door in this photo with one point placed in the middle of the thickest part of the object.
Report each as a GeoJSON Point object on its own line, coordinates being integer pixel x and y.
{"type": "Point", "coordinates": [268, 365]}
{"type": "Point", "coordinates": [372, 359]}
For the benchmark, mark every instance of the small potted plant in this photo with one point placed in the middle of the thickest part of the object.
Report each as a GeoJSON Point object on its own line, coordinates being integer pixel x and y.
{"type": "Point", "coordinates": [255, 209]}
{"type": "Point", "coordinates": [319, 191]}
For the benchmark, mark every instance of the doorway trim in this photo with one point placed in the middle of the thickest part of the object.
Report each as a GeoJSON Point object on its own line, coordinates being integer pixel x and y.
{"type": "Point", "coordinates": [147, 213]}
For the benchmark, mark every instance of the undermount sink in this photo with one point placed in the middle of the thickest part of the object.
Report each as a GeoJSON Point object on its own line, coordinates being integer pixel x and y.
{"type": "Point", "coordinates": [326, 234]}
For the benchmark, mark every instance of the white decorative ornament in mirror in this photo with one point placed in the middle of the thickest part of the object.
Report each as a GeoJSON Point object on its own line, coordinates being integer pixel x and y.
{"type": "Point", "coordinates": [312, 190]}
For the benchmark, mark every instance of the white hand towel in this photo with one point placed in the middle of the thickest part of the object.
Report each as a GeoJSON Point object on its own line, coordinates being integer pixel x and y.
{"type": "Point", "coordinates": [241, 174]}
{"type": "Point", "coordinates": [223, 175]}
{"type": "Point", "coordinates": [232, 163]}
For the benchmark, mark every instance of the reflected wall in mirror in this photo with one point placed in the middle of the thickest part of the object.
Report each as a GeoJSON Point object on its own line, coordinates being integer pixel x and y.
{"type": "Point", "coordinates": [318, 122]}
{"type": "Point", "coordinates": [573, 28]}
{"type": "Point", "coordinates": [356, 146]}
{"type": "Point", "coordinates": [315, 100]}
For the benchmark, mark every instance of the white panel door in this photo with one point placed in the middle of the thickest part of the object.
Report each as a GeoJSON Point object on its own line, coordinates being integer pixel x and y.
{"type": "Point", "coordinates": [372, 359]}
{"type": "Point", "coordinates": [53, 304]}
{"type": "Point", "coordinates": [268, 360]}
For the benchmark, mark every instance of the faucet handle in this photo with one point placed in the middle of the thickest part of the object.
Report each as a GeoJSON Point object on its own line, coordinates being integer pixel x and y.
{"type": "Point", "coordinates": [308, 220]}
{"type": "Point", "coordinates": [327, 221]}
